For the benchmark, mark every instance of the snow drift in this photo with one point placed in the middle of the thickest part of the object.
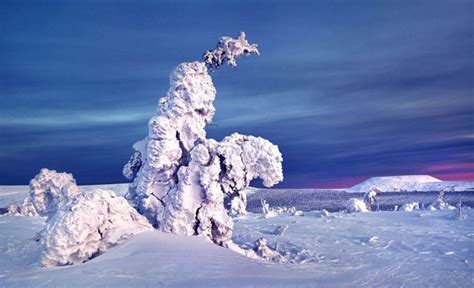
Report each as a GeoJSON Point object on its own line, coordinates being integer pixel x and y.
{"type": "Point", "coordinates": [187, 184]}
{"type": "Point", "coordinates": [49, 191]}
{"type": "Point", "coordinates": [409, 183]}
{"type": "Point", "coordinates": [92, 223]}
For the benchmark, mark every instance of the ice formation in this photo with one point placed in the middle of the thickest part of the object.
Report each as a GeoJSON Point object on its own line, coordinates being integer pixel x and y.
{"type": "Point", "coordinates": [49, 191]}
{"type": "Point", "coordinates": [92, 223]}
{"type": "Point", "coordinates": [187, 184]}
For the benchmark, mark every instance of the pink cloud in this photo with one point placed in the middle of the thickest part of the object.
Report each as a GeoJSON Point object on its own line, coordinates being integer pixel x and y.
{"type": "Point", "coordinates": [465, 167]}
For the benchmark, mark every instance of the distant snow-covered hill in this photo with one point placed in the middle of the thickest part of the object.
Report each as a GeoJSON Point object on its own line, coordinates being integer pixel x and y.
{"type": "Point", "coordinates": [410, 183]}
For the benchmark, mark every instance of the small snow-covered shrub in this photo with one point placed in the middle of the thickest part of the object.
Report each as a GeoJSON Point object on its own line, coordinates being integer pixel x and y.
{"type": "Point", "coordinates": [356, 205]}
{"type": "Point", "coordinates": [92, 223]}
{"type": "Point", "coordinates": [460, 213]}
{"type": "Point", "coordinates": [408, 207]}
{"type": "Point", "coordinates": [265, 252]}
{"type": "Point", "coordinates": [440, 203]}
{"type": "Point", "coordinates": [268, 211]}
{"type": "Point", "coordinates": [49, 191]}
{"type": "Point", "coordinates": [280, 229]}
{"type": "Point", "coordinates": [371, 200]}
{"type": "Point", "coordinates": [324, 213]}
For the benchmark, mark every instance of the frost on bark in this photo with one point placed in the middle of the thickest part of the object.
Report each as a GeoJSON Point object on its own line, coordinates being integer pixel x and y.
{"type": "Point", "coordinates": [49, 191]}
{"type": "Point", "coordinates": [183, 182]}
{"type": "Point", "coordinates": [91, 224]}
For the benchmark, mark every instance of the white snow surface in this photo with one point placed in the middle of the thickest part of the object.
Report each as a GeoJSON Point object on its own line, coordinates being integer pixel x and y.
{"type": "Point", "coordinates": [92, 223]}
{"type": "Point", "coordinates": [183, 182]}
{"type": "Point", "coordinates": [410, 183]}
{"type": "Point", "coordinates": [376, 249]}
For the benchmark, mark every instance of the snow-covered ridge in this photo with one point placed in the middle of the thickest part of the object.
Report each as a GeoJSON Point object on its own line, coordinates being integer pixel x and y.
{"type": "Point", "coordinates": [410, 183]}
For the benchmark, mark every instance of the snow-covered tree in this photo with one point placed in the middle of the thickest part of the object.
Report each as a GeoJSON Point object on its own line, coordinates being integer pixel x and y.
{"type": "Point", "coordinates": [49, 191]}
{"type": "Point", "coordinates": [92, 223]}
{"type": "Point", "coordinates": [440, 203]}
{"type": "Point", "coordinates": [370, 200]}
{"type": "Point", "coordinates": [183, 182]}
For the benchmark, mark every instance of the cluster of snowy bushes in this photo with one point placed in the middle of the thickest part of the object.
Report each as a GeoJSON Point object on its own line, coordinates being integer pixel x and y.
{"type": "Point", "coordinates": [79, 225]}
{"type": "Point", "coordinates": [268, 211]}
{"type": "Point", "coordinates": [369, 203]}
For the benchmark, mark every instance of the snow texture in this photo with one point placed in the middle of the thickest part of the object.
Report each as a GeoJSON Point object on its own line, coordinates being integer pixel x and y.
{"type": "Point", "coordinates": [409, 183]}
{"type": "Point", "coordinates": [376, 249]}
{"type": "Point", "coordinates": [187, 184]}
{"type": "Point", "coordinates": [49, 192]}
{"type": "Point", "coordinates": [93, 222]}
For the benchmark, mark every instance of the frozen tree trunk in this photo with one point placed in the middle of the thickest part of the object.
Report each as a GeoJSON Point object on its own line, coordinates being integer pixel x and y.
{"type": "Point", "coordinates": [183, 182]}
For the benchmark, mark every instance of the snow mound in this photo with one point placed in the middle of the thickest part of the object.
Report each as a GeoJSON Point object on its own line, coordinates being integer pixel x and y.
{"type": "Point", "coordinates": [397, 183]}
{"type": "Point", "coordinates": [49, 191]}
{"type": "Point", "coordinates": [408, 207]}
{"type": "Point", "coordinates": [355, 205]}
{"type": "Point", "coordinates": [92, 223]}
{"type": "Point", "coordinates": [187, 184]}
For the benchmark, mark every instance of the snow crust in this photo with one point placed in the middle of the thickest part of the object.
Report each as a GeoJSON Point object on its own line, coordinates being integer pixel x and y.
{"type": "Point", "coordinates": [187, 184]}
{"type": "Point", "coordinates": [49, 191]}
{"type": "Point", "coordinates": [410, 183]}
{"type": "Point", "coordinates": [94, 222]}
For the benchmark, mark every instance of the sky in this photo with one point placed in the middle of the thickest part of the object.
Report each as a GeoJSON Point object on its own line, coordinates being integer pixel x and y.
{"type": "Point", "coordinates": [347, 89]}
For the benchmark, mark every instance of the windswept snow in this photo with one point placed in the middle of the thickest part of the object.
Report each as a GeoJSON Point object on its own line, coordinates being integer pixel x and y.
{"type": "Point", "coordinates": [410, 183]}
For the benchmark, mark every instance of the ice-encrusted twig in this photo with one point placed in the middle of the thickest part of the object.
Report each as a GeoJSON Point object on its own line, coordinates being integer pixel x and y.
{"type": "Point", "coordinates": [228, 50]}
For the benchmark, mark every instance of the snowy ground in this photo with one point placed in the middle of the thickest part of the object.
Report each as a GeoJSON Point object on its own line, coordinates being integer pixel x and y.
{"type": "Point", "coordinates": [411, 249]}
{"type": "Point", "coordinates": [335, 200]}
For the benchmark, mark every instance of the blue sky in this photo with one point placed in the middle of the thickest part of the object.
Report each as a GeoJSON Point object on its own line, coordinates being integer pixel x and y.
{"type": "Point", "coordinates": [347, 89]}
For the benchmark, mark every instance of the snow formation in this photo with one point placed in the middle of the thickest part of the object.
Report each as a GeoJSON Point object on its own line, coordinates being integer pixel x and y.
{"type": "Point", "coordinates": [49, 191]}
{"type": "Point", "coordinates": [408, 207]}
{"type": "Point", "coordinates": [187, 184]}
{"type": "Point", "coordinates": [92, 223]}
{"type": "Point", "coordinates": [355, 205]}
{"type": "Point", "coordinates": [409, 183]}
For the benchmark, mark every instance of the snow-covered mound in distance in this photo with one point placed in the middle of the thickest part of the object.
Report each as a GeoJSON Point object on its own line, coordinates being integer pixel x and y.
{"type": "Point", "coordinates": [410, 183]}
